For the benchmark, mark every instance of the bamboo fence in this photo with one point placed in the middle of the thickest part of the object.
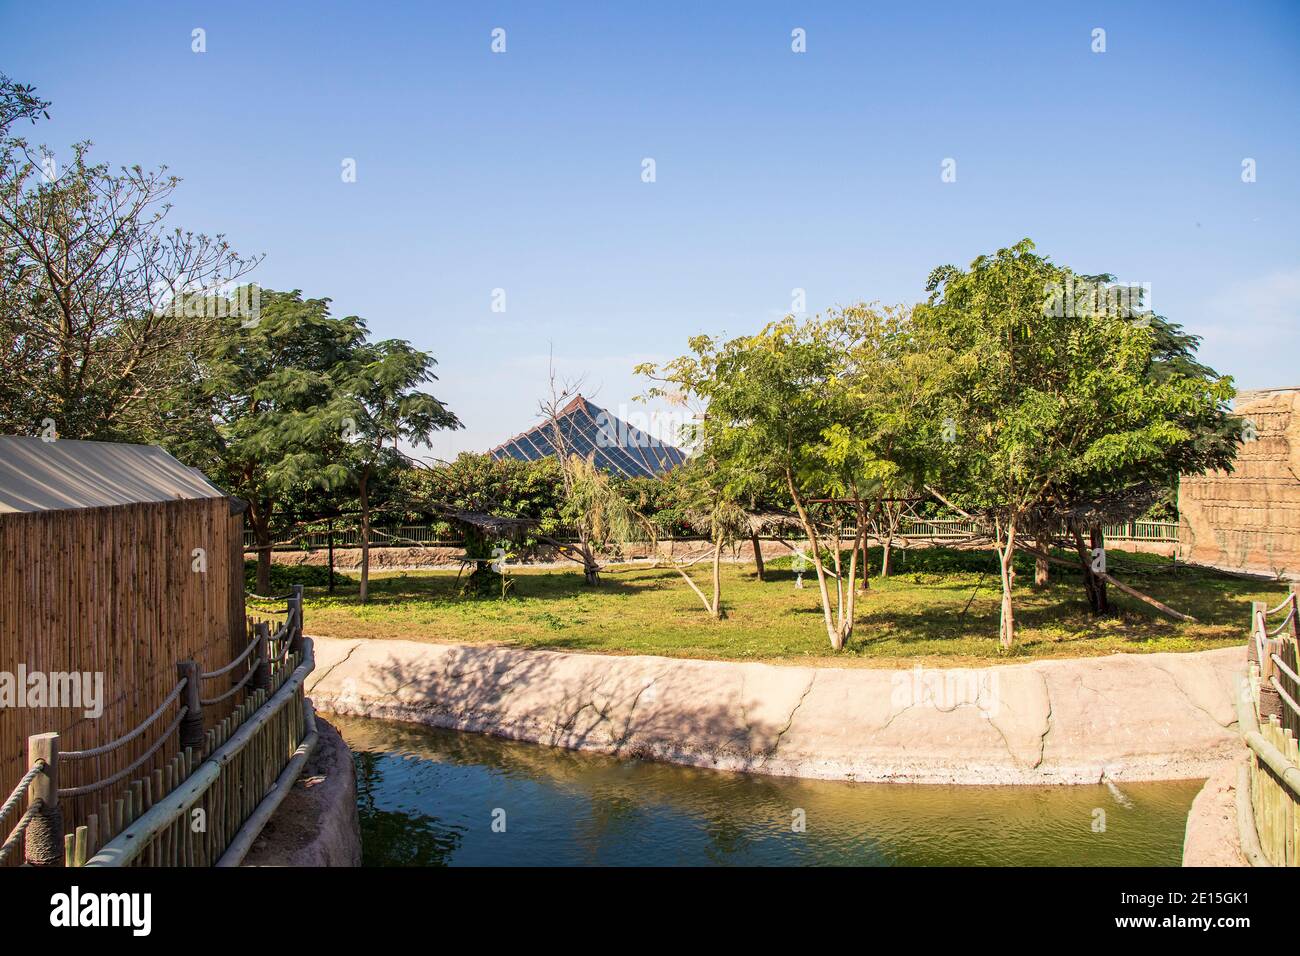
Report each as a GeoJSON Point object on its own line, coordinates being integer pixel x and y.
{"type": "Point", "coordinates": [1270, 723]}
{"type": "Point", "coordinates": [117, 592]}
{"type": "Point", "coordinates": [233, 764]}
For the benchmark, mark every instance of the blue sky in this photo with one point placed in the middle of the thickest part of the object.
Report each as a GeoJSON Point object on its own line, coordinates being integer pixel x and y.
{"type": "Point", "coordinates": [774, 170]}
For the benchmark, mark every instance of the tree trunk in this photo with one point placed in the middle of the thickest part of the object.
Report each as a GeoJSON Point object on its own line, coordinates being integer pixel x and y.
{"type": "Point", "coordinates": [1006, 557]}
{"type": "Point", "coordinates": [365, 537]}
{"type": "Point", "coordinates": [717, 579]}
{"type": "Point", "coordinates": [1097, 538]}
{"type": "Point", "coordinates": [758, 554]}
{"type": "Point", "coordinates": [884, 557]}
{"type": "Point", "coordinates": [1042, 571]}
{"type": "Point", "coordinates": [261, 521]}
{"type": "Point", "coordinates": [832, 632]}
{"type": "Point", "coordinates": [1093, 586]}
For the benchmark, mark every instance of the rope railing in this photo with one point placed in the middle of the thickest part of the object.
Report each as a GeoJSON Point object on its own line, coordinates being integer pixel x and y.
{"type": "Point", "coordinates": [126, 738]}
{"type": "Point", "coordinates": [233, 664]}
{"type": "Point", "coordinates": [1269, 721]}
{"type": "Point", "coordinates": [41, 828]}
{"type": "Point", "coordinates": [1285, 621]}
{"type": "Point", "coordinates": [16, 797]}
{"type": "Point", "coordinates": [209, 701]}
{"type": "Point", "coordinates": [1271, 611]}
{"type": "Point", "coordinates": [126, 771]}
{"type": "Point", "coordinates": [18, 831]}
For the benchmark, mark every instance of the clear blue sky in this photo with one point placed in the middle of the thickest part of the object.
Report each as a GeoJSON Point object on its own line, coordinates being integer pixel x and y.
{"type": "Point", "coordinates": [775, 170]}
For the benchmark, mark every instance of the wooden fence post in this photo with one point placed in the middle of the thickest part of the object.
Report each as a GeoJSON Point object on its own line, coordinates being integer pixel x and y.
{"type": "Point", "coordinates": [43, 839]}
{"type": "Point", "coordinates": [1295, 613]}
{"type": "Point", "coordinates": [191, 729]}
{"type": "Point", "coordinates": [1270, 701]}
{"type": "Point", "coordinates": [261, 678]}
{"type": "Point", "coordinates": [1252, 650]}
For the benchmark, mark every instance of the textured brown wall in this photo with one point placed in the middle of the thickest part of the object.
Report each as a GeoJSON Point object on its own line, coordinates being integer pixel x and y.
{"type": "Point", "coordinates": [113, 590]}
{"type": "Point", "coordinates": [1249, 519]}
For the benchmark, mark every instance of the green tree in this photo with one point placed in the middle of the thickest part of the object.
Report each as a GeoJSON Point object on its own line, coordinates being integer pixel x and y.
{"type": "Point", "coordinates": [263, 411]}
{"type": "Point", "coordinates": [1037, 400]}
{"type": "Point", "coordinates": [383, 407]}
{"type": "Point", "coordinates": [771, 399]}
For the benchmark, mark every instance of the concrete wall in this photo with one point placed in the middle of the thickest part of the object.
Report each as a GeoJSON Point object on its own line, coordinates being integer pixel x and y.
{"type": "Point", "coordinates": [1122, 717]}
{"type": "Point", "coordinates": [1249, 520]}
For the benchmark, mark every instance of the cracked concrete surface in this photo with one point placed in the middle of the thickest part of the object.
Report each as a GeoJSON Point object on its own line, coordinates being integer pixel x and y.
{"type": "Point", "coordinates": [1123, 717]}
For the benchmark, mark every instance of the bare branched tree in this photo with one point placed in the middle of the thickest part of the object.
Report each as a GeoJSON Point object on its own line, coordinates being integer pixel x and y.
{"type": "Point", "coordinates": [90, 278]}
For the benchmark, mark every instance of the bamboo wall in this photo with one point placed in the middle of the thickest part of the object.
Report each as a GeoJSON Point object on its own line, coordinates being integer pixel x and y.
{"type": "Point", "coordinates": [113, 590]}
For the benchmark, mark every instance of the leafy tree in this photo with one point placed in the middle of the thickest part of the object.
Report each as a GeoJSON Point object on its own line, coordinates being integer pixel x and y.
{"type": "Point", "coordinates": [771, 399]}
{"type": "Point", "coordinates": [1045, 403]}
{"type": "Point", "coordinates": [383, 407]}
{"type": "Point", "coordinates": [264, 411]}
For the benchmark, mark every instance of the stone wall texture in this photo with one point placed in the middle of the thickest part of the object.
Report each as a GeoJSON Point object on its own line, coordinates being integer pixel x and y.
{"type": "Point", "coordinates": [1122, 717]}
{"type": "Point", "coordinates": [1249, 520]}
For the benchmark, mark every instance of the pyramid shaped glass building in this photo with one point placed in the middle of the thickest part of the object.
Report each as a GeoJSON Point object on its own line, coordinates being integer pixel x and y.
{"type": "Point", "coordinates": [588, 430]}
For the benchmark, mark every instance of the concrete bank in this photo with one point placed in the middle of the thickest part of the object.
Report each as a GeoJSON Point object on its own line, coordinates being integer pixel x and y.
{"type": "Point", "coordinates": [1212, 837]}
{"type": "Point", "coordinates": [1123, 717]}
{"type": "Point", "coordinates": [316, 825]}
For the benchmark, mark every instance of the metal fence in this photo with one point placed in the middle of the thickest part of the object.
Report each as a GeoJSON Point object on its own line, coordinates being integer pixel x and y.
{"type": "Point", "coordinates": [436, 536]}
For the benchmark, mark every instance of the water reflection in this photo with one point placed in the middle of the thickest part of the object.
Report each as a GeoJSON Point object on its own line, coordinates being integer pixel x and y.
{"type": "Point", "coordinates": [430, 798]}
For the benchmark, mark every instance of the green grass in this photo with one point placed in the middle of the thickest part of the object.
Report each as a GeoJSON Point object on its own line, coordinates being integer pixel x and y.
{"type": "Point", "coordinates": [924, 612]}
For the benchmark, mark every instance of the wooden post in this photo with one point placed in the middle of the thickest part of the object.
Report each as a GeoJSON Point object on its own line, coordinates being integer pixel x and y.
{"type": "Point", "coordinates": [330, 525]}
{"type": "Point", "coordinates": [43, 840]}
{"type": "Point", "coordinates": [1252, 651]}
{"type": "Point", "coordinates": [758, 553]}
{"type": "Point", "coordinates": [191, 728]}
{"type": "Point", "coordinates": [1295, 614]}
{"type": "Point", "coordinates": [1270, 701]}
{"type": "Point", "coordinates": [261, 678]}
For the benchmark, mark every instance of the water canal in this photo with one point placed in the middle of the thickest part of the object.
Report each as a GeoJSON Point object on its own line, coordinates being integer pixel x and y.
{"type": "Point", "coordinates": [431, 797]}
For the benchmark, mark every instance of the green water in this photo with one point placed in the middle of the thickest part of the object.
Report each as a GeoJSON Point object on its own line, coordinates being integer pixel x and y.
{"type": "Point", "coordinates": [430, 797]}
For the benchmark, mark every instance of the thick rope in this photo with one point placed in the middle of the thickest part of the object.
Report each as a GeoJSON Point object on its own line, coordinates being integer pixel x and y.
{"type": "Point", "coordinates": [18, 830]}
{"type": "Point", "coordinates": [16, 797]}
{"type": "Point", "coordinates": [263, 597]}
{"type": "Point", "coordinates": [233, 664]}
{"type": "Point", "coordinates": [1285, 621]}
{"type": "Point", "coordinates": [242, 681]}
{"type": "Point", "coordinates": [1280, 606]}
{"type": "Point", "coordinates": [99, 751]}
{"type": "Point", "coordinates": [1295, 708]}
{"type": "Point", "coordinates": [1282, 665]}
{"type": "Point", "coordinates": [109, 781]}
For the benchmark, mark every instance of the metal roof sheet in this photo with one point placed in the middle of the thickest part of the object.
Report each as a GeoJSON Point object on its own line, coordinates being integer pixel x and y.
{"type": "Point", "coordinates": [40, 475]}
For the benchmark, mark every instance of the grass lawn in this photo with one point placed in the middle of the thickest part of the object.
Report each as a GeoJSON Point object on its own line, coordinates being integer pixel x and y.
{"type": "Point", "coordinates": [924, 612]}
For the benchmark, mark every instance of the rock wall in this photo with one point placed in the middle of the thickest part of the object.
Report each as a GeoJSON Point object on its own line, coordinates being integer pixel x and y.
{"type": "Point", "coordinates": [1249, 520]}
{"type": "Point", "coordinates": [316, 824]}
{"type": "Point", "coordinates": [1122, 717]}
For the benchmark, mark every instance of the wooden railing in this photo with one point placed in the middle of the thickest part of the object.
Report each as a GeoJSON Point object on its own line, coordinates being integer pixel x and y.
{"type": "Point", "coordinates": [1269, 717]}
{"type": "Point", "coordinates": [207, 804]}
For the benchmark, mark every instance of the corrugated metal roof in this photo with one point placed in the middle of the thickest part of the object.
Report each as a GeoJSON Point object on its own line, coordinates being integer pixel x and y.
{"type": "Point", "coordinates": [39, 475]}
{"type": "Point", "coordinates": [589, 430]}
